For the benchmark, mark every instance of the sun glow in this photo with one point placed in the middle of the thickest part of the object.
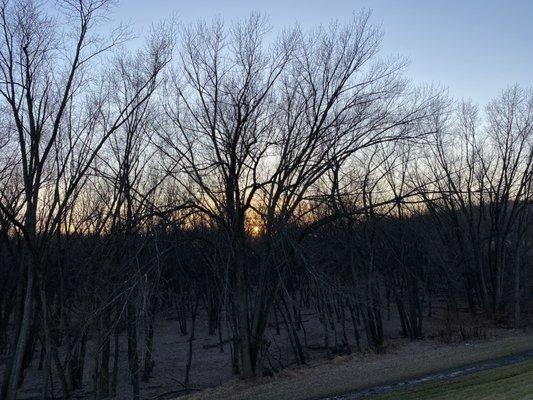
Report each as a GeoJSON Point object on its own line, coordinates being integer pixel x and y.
{"type": "Point", "coordinates": [255, 231]}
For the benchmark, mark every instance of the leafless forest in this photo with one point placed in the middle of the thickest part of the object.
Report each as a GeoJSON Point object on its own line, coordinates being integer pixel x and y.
{"type": "Point", "coordinates": [229, 174]}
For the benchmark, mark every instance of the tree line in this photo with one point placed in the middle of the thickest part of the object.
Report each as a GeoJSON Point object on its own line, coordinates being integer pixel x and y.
{"type": "Point", "coordinates": [243, 178]}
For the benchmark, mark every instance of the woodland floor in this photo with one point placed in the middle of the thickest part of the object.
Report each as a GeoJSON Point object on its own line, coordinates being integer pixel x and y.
{"type": "Point", "coordinates": [321, 377]}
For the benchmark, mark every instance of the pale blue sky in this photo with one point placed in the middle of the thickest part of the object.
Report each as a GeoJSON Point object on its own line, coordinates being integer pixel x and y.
{"type": "Point", "coordinates": [476, 48]}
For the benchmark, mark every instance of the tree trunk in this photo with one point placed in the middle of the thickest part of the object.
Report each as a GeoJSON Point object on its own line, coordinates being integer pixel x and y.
{"type": "Point", "coordinates": [116, 353]}
{"type": "Point", "coordinates": [9, 392]}
{"type": "Point", "coordinates": [517, 290]}
{"type": "Point", "coordinates": [133, 357]}
{"type": "Point", "coordinates": [191, 341]}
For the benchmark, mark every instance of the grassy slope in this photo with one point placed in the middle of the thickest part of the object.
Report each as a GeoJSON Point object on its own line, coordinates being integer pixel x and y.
{"type": "Point", "coordinates": [514, 382]}
{"type": "Point", "coordinates": [350, 374]}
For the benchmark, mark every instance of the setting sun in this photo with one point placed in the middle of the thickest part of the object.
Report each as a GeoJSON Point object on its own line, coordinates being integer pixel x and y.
{"type": "Point", "coordinates": [255, 231]}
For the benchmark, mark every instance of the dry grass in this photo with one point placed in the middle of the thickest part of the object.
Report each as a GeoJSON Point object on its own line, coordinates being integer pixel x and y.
{"type": "Point", "coordinates": [352, 373]}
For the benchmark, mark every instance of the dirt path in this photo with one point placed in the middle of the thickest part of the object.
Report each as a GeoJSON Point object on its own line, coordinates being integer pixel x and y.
{"type": "Point", "coordinates": [437, 377]}
{"type": "Point", "coordinates": [356, 373]}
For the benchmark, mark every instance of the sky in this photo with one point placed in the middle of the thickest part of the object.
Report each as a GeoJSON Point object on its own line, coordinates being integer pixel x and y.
{"type": "Point", "coordinates": [475, 48]}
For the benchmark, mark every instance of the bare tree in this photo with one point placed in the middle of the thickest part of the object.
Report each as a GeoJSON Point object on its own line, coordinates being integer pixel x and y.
{"type": "Point", "coordinates": [481, 194]}
{"type": "Point", "coordinates": [258, 129]}
{"type": "Point", "coordinates": [58, 133]}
